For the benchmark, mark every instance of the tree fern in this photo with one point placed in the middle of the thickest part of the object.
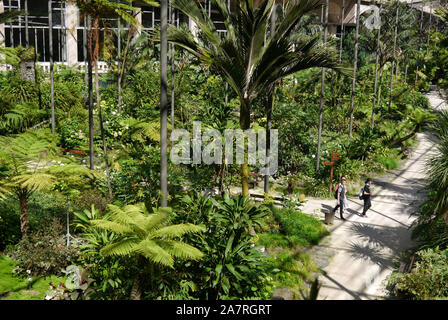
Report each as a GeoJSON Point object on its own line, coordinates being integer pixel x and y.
{"type": "Point", "coordinates": [32, 162]}
{"type": "Point", "coordinates": [149, 235]}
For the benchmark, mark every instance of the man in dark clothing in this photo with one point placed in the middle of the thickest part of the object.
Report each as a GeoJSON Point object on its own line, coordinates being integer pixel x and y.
{"type": "Point", "coordinates": [341, 198]}
{"type": "Point", "coordinates": [366, 197]}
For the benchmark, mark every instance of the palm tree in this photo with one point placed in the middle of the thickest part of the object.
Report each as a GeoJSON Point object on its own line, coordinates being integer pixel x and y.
{"type": "Point", "coordinates": [394, 56]}
{"type": "Point", "coordinates": [377, 57]}
{"type": "Point", "coordinates": [244, 59]}
{"type": "Point", "coordinates": [438, 164]}
{"type": "Point", "coordinates": [418, 118]}
{"type": "Point", "coordinates": [50, 42]}
{"type": "Point", "coordinates": [163, 102]}
{"type": "Point", "coordinates": [322, 91]}
{"type": "Point", "coordinates": [98, 11]}
{"type": "Point", "coordinates": [355, 67]}
{"type": "Point", "coordinates": [148, 236]}
{"type": "Point", "coordinates": [269, 105]}
{"type": "Point", "coordinates": [342, 30]}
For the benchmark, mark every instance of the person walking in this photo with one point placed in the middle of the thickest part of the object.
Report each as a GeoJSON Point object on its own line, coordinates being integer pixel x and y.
{"type": "Point", "coordinates": [366, 197]}
{"type": "Point", "coordinates": [341, 198]}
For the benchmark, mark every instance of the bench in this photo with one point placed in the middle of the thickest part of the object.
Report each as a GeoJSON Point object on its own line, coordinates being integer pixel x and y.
{"type": "Point", "coordinates": [78, 152]}
{"type": "Point", "coordinates": [405, 267]}
{"type": "Point", "coordinates": [255, 178]}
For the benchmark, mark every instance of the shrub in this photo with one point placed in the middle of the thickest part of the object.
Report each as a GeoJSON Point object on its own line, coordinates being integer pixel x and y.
{"type": "Point", "coordinates": [388, 162]}
{"type": "Point", "coordinates": [299, 228]}
{"type": "Point", "coordinates": [44, 252]}
{"type": "Point", "coordinates": [429, 278]}
{"type": "Point", "coordinates": [232, 267]}
{"type": "Point", "coordinates": [9, 224]}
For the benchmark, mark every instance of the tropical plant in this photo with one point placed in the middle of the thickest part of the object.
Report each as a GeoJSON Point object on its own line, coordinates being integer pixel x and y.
{"type": "Point", "coordinates": [149, 236]}
{"type": "Point", "coordinates": [248, 61]}
{"type": "Point", "coordinates": [98, 11]}
{"type": "Point", "coordinates": [31, 162]}
{"type": "Point", "coordinates": [44, 252]}
{"type": "Point", "coordinates": [428, 280]}
{"type": "Point", "coordinates": [232, 266]}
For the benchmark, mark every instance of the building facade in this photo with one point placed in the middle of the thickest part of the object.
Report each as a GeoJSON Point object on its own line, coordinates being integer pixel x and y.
{"type": "Point", "coordinates": [69, 27]}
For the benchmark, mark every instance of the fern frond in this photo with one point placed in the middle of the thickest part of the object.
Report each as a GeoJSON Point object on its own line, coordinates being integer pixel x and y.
{"type": "Point", "coordinates": [111, 226]}
{"type": "Point", "coordinates": [151, 250]}
{"type": "Point", "coordinates": [181, 250]}
{"type": "Point", "coordinates": [124, 247]}
{"type": "Point", "coordinates": [176, 230]}
{"type": "Point", "coordinates": [35, 181]}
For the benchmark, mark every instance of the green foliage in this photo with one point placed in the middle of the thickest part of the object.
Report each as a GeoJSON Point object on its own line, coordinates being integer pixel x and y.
{"type": "Point", "coordinates": [232, 267]}
{"type": "Point", "coordinates": [290, 269]}
{"type": "Point", "coordinates": [15, 90]}
{"type": "Point", "coordinates": [146, 234]}
{"type": "Point", "coordinates": [44, 252]}
{"type": "Point", "coordinates": [71, 135]}
{"type": "Point", "coordinates": [388, 162]}
{"type": "Point", "coordinates": [428, 280]}
{"type": "Point", "coordinates": [9, 224]}
{"type": "Point", "coordinates": [14, 287]}
{"type": "Point", "coordinates": [297, 228]}
{"type": "Point", "coordinates": [76, 286]}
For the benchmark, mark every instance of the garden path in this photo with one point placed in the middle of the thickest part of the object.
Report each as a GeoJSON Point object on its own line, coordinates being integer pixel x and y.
{"type": "Point", "coordinates": [360, 253]}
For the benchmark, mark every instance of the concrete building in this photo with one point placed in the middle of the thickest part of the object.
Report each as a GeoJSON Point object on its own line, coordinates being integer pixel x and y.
{"type": "Point", "coordinates": [69, 27]}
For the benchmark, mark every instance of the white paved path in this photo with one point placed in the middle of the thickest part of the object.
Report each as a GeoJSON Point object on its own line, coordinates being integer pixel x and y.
{"type": "Point", "coordinates": [364, 249]}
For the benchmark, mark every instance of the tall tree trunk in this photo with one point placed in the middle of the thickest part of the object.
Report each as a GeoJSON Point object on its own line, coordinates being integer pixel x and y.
{"type": "Point", "coordinates": [24, 222]}
{"type": "Point", "coordinates": [137, 285]}
{"type": "Point", "coordinates": [173, 73]}
{"type": "Point", "coordinates": [420, 48]}
{"type": "Point", "coordinates": [268, 109]}
{"type": "Point", "coordinates": [429, 29]}
{"type": "Point", "coordinates": [355, 70]}
{"type": "Point", "coordinates": [163, 103]}
{"type": "Point", "coordinates": [394, 56]}
{"type": "Point", "coordinates": [90, 99]}
{"type": "Point", "coordinates": [119, 65]}
{"type": "Point", "coordinates": [342, 30]}
{"type": "Point", "coordinates": [372, 121]}
{"type": "Point", "coordinates": [244, 125]}
{"type": "Point", "coordinates": [27, 36]}
{"type": "Point", "coordinates": [100, 119]}
{"type": "Point", "coordinates": [322, 93]}
{"type": "Point", "coordinates": [50, 40]}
